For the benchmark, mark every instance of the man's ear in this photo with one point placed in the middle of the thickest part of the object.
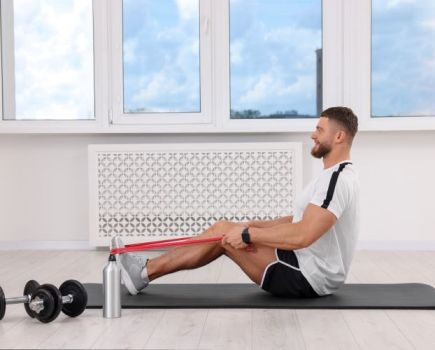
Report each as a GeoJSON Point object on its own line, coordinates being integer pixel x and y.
{"type": "Point", "coordinates": [340, 136]}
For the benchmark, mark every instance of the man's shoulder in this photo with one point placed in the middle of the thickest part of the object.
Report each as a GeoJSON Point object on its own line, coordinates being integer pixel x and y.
{"type": "Point", "coordinates": [338, 175]}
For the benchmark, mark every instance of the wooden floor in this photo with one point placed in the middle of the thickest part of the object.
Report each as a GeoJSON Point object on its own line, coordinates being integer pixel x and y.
{"type": "Point", "coordinates": [216, 329]}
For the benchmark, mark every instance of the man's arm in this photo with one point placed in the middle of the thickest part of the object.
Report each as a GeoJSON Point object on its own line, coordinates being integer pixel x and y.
{"type": "Point", "coordinates": [270, 223]}
{"type": "Point", "coordinates": [289, 236]}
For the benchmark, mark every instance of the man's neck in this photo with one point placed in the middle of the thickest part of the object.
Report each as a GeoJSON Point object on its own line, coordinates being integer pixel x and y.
{"type": "Point", "coordinates": [331, 159]}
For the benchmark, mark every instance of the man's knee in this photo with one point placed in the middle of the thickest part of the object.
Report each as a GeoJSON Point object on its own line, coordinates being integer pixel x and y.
{"type": "Point", "coordinates": [219, 227]}
{"type": "Point", "coordinates": [220, 224]}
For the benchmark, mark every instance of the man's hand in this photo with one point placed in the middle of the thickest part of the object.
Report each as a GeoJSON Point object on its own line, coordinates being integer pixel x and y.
{"type": "Point", "coordinates": [233, 237]}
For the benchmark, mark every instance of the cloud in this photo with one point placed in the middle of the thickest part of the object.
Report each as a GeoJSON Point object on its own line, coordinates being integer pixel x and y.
{"type": "Point", "coordinates": [237, 48]}
{"type": "Point", "coordinates": [403, 59]}
{"type": "Point", "coordinates": [273, 61]}
{"type": "Point", "coordinates": [188, 9]}
{"type": "Point", "coordinates": [397, 3]}
{"type": "Point", "coordinates": [284, 95]}
{"type": "Point", "coordinates": [428, 24]}
{"type": "Point", "coordinates": [264, 87]}
{"type": "Point", "coordinates": [173, 87]}
{"type": "Point", "coordinates": [130, 50]}
{"type": "Point", "coordinates": [162, 72]}
{"type": "Point", "coordinates": [54, 59]}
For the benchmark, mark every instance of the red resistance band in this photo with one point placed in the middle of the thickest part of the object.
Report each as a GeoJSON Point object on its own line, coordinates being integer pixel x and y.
{"type": "Point", "coordinates": [175, 242]}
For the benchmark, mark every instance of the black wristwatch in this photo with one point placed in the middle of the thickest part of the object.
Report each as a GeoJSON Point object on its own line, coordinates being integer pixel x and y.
{"type": "Point", "coordinates": [246, 238]}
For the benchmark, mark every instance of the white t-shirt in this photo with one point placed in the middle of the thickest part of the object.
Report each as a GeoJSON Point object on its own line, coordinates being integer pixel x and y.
{"type": "Point", "coordinates": [326, 262]}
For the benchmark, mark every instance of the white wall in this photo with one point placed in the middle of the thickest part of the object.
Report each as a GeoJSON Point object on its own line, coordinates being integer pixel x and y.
{"type": "Point", "coordinates": [43, 185]}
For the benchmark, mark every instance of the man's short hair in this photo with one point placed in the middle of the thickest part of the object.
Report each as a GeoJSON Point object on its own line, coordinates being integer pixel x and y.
{"type": "Point", "coordinates": [345, 117]}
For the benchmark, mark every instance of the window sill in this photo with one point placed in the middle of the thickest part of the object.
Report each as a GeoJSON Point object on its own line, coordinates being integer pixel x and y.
{"type": "Point", "coordinates": [227, 126]}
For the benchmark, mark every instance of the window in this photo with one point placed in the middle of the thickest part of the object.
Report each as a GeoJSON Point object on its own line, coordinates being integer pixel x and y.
{"type": "Point", "coordinates": [206, 66]}
{"type": "Point", "coordinates": [275, 58]}
{"type": "Point", "coordinates": [161, 56]}
{"type": "Point", "coordinates": [47, 60]}
{"type": "Point", "coordinates": [161, 62]}
{"type": "Point", "coordinates": [403, 58]}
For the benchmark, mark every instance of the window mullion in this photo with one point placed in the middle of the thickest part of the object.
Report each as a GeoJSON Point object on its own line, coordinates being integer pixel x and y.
{"type": "Point", "coordinates": [332, 38]}
{"type": "Point", "coordinates": [115, 59]}
{"type": "Point", "coordinates": [8, 60]}
{"type": "Point", "coordinates": [221, 62]}
{"type": "Point", "coordinates": [101, 57]}
{"type": "Point", "coordinates": [356, 58]}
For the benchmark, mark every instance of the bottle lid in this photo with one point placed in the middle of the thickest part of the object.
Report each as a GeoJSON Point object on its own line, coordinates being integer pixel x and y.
{"type": "Point", "coordinates": [112, 257]}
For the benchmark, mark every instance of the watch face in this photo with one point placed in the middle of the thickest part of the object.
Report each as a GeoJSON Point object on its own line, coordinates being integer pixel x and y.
{"type": "Point", "coordinates": [246, 238]}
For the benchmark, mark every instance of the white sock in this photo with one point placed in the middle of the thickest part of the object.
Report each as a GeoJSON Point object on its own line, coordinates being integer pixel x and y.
{"type": "Point", "coordinates": [144, 274]}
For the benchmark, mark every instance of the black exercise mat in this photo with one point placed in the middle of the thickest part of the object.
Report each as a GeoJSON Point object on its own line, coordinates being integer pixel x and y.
{"type": "Point", "coordinates": [212, 296]}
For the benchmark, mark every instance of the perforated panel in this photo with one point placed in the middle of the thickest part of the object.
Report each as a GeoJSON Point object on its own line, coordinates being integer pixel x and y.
{"type": "Point", "coordinates": [150, 192]}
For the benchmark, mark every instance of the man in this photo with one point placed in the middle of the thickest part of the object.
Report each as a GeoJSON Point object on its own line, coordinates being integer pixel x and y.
{"type": "Point", "coordinates": [305, 255]}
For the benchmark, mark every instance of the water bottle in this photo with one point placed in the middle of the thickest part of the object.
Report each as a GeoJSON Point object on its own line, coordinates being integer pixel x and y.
{"type": "Point", "coordinates": [112, 289]}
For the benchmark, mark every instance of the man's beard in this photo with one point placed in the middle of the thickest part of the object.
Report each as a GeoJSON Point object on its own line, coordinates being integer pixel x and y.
{"type": "Point", "coordinates": [320, 150]}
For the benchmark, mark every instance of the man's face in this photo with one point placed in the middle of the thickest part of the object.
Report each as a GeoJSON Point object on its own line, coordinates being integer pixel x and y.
{"type": "Point", "coordinates": [323, 138]}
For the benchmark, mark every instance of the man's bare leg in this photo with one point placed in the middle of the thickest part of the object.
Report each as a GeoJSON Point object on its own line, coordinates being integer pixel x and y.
{"type": "Point", "coordinates": [253, 263]}
{"type": "Point", "coordinates": [186, 257]}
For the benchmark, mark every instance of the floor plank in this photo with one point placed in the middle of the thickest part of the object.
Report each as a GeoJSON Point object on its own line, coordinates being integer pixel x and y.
{"type": "Point", "coordinates": [416, 326]}
{"type": "Point", "coordinates": [276, 329]}
{"type": "Point", "coordinates": [131, 331]}
{"type": "Point", "coordinates": [325, 329]}
{"type": "Point", "coordinates": [227, 329]}
{"type": "Point", "coordinates": [178, 329]}
{"type": "Point", "coordinates": [374, 330]}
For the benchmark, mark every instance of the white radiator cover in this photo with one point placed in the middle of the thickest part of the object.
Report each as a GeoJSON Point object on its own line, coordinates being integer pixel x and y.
{"type": "Point", "coordinates": [146, 192]}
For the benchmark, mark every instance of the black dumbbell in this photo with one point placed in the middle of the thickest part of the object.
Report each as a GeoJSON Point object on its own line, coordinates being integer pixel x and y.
{"type": "Point", "coordinates": [29, 290]}
{"type": "Point", "coordinates": [79, 296]}
{"type": "Point", "coordinates": [44, 302]}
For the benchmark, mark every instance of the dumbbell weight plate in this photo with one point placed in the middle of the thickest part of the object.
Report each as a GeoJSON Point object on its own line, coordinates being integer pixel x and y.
{"type": "Point", "coordinates": [57, 305]}
{"type": "Point", "coordinates": [2, 304]}
{"type": "Point", "coordinates": [80, 297]}
{"type": "Point", "coordinates": [30, 288]}
{"type": "Point", "coordinates": [45, 315]}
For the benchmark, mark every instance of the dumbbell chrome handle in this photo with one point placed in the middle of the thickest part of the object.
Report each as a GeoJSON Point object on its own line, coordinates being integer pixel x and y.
{"type": "Point", "coordinates": [67, 299]}
{"type": "Point", "coordinates": [18, 300]}
{"type": "Point", "coordinates": [26, 299]}
{"type": "Point", "coordinates": [37, 304]}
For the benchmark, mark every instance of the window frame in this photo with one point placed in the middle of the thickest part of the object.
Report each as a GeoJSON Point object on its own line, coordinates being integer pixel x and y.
{"type": "Point", "coordinates": [346, 45]}
{"type": "Point", "coordinates": [331, 89]}
{"type": "Point", "coordinates": [7, 104]}
{"type": "Point", "coordinates": [358, 73]}
{"type": "Point", "coordinates": [117, 114]}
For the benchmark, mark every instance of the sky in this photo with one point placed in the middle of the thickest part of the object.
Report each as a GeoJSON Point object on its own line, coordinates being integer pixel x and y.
{"type": "Point", "coordinates": [403, 57]}
{"type": "Point", "coordinates": [54, 59]}
{"type": "Point", "coordinates": [272, 56]}
{"type": "Point", "coordinates": [161, 56]}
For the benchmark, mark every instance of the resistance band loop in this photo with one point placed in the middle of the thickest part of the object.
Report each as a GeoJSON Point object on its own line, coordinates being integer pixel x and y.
{"type": "Point", "coordinates": [163, 244]}
{"type": "Point", "coordinates": [162, 241]}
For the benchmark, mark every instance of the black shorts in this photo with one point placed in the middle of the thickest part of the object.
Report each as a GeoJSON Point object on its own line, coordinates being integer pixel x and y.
{"type": "Point", "coordinates": [283, 280]}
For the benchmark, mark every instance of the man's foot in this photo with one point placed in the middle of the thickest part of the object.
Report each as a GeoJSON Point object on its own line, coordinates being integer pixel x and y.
{"type": "Point", "coordinates": [131, 266]}
{"type": "Point", "coordinates": [116, 244]}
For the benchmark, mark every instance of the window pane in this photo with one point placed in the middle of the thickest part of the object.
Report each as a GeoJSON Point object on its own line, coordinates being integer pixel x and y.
{"type": "Point", "coordinates": [54, 62]}
{"type": "Point", "coordinates": [161, 56]}
{"type": "Point", "coordinates": [403, 58]}
{"type": "Point", "coordinates": [275, 58]}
